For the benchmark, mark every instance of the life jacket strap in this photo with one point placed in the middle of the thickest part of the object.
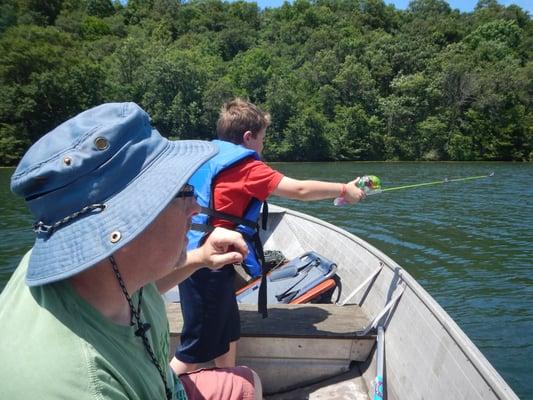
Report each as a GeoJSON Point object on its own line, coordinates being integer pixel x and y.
{"type": "Point", "coordinates": [202, 228]}
{"type": "Point", "coordinates": [264, 216]}
{"type": "Point", "coordinates": [228, 217]}
{"type": "Point", "coordinates": [258, 246]}
{"type": "Point", "coordinates": [262, 295]}
{"type": "Point", "coordinates": [208, 229]}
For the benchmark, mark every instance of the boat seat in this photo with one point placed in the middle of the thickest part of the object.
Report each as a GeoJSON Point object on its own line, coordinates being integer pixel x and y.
{"type": "Point", "coordinates": [297, 344]}
{"type": "Point", "coordinates": [303, 320]}
{"type": "Point", "coordinates": [292, 321]}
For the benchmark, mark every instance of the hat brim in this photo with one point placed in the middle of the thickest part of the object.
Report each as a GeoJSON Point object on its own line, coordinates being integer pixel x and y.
{"type": "Point", "coordinates": [87, 240]}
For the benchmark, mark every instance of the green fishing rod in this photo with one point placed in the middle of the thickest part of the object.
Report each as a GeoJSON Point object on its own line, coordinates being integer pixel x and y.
{"type": "Point", "coordinates": [371, 185]}
{"type": "Point", "coordinates": [445, 180]}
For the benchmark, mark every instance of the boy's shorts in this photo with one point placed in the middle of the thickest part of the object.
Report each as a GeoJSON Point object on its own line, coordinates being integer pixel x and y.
{"type": "Point", "coordinates": [210, 315]}
{"type": "Point", "coordinates": [219, 383]}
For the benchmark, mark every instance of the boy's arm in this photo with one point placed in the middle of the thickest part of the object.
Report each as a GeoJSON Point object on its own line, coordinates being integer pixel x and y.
{"type": "Point", "coordinates": [318, 190]}
{"type": "Point", "coordinates": [222, 247]}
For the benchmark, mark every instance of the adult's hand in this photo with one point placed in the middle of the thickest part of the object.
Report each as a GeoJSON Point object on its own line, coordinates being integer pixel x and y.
{"type": "Point", "coordinates": [223, 247]}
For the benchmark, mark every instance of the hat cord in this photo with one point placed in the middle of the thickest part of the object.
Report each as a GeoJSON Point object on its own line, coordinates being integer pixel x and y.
{"type": "Point", "coordinates": [142, 327]}
{"type": "Point", "coordinates": [41, 227]}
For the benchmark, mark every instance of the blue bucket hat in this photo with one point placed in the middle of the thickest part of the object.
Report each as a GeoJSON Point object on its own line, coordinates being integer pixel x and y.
{"type": "Point", "coordinates": [96, 182]}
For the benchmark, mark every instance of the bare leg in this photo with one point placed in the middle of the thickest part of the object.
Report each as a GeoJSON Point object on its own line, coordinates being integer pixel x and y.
{"type": "Point", "coordinates": [179, 367]}
{"type": "Point", "coordinates": [227, 359]}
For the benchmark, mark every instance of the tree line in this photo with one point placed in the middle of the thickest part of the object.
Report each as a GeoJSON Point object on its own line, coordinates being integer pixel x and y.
{"type": "Point", "coordinates": [343, 79]}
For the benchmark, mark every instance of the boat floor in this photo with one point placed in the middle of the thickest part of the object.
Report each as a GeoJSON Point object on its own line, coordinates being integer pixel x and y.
{"type": "Point", "coordinates": [348, 386]}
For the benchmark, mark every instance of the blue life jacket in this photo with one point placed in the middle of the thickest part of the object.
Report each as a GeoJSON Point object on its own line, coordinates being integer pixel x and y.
{"type": "Point", "coordinates": [202, 180]}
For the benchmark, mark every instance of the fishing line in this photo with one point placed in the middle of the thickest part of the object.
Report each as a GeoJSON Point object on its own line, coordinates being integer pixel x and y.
{"type": "Point", "coordinates": [445, 180]}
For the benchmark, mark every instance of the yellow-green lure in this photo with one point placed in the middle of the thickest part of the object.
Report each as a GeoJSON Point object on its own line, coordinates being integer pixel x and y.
{"type": "Point", "coordinates": [368, 183]}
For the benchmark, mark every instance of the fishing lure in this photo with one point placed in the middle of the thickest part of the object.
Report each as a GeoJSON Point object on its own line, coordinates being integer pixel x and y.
{"type": "Point", "coordinates": [368, 184]}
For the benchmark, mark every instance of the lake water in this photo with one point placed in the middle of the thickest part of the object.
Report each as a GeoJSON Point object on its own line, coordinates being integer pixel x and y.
{"type": "Point", "coordinates": [469, 244]}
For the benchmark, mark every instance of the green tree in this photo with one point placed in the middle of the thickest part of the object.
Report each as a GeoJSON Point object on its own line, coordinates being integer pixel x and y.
{"type": "Point", "coordinates": [250, 71]}
{"type": "Point", "coordinates": [38, 11]}
{"type": "Point", "coordinates": [353, 135]}
{"type": "Point", "coordinates": [173, 95]}
{"type": "Point", "coordinates": [93, 28]}
{"type": "Point", "coordinates": [100, 8]}
{"type": "Point", "coordinates": [43, 81]}
{"type": "Point", "coordinates": [305, 137]}
{"type": "Point", "coordinates": [343, 79]}
{"type": "Point", "coordinates": [8, 16]}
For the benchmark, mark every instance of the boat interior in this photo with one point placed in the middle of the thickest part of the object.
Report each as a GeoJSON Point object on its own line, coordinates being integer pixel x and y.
{"type": "Point", "coordinates": [319, 349]}
{"type": "Point", "coordinates": [377, 330]}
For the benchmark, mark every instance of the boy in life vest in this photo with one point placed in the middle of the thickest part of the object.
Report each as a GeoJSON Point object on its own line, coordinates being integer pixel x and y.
{"type": "Point", "coordinates": [232, 187]}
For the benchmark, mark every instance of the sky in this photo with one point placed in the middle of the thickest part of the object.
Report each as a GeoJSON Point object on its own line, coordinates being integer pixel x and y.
{"type": "Point", "coordinates": [462, 5]}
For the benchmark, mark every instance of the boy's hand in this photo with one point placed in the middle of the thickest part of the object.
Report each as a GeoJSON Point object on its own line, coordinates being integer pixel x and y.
{"type": "Point", "coordinates": [353, 193]}
{"type": "Point", "coordinates": [223, 247]}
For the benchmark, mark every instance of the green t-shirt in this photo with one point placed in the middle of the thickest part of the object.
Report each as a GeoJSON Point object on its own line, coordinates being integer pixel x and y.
{"type": "Point", "coordinates": [54, 345]}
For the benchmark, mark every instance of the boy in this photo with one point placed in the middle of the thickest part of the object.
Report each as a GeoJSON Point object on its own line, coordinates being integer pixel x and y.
{"type": "Point", "coordinates": [235, 183]}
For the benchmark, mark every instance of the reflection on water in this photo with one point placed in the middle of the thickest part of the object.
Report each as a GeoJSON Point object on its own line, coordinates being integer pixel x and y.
{"type": "Point", "coordinates": [468, 243]}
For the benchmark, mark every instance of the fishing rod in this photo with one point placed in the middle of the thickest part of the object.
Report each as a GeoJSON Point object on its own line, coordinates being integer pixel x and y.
{"type": "Point", "coordinates": [378, 382]}
{"type": "Point", "coordinates": [371, 185]}
{"type": "Point", "coordinates": [445, 180]}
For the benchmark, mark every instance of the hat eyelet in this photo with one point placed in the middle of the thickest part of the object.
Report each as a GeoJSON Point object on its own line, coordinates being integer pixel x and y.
{"type": "Point", "coordinates": [67, 161]}
{"type": "Point", "coordinates": [101, 143]}
{"type": "Point", "coordinates": [115, 236]}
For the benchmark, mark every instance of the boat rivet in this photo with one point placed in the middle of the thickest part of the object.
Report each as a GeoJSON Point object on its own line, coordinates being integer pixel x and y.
{"type": "Point", "coordinates": [115, 236]}
{"type": "Point", "coordinates": [67, 161]}
{"type": "Point", "coordinates": [101, 143]}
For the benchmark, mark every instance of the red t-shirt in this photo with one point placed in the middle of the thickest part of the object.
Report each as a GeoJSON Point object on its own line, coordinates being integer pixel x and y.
{"type": "Point", "coordinates": [235, 187]}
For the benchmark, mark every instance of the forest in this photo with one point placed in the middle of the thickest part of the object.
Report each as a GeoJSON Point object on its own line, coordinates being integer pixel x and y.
{"type": "Point", "coordinates": [342, 79]}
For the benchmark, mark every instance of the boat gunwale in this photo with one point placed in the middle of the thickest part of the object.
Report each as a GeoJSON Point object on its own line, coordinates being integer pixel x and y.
{"type": "Point", "coordinates": [488, 373]}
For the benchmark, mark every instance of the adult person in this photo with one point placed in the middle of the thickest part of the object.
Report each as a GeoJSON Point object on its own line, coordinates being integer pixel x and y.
{"type": "Point", "coordinates": [234, 184]}
{"type": "Point", "coordinates": [82, 316]}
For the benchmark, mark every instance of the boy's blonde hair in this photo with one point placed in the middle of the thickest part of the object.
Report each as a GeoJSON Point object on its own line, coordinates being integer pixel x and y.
{"type": "Point", "coordinates": [238, 116]}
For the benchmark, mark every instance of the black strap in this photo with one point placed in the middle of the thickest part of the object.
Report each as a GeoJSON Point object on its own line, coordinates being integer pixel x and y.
{"type": "Point", "coordinates": [264, 216]}
{"type": "Point", "coordinates": [228, 217]}
{"type": "Point", "coordinates": [202, 228]}
{"type": "Point", "coordinates": [262, 295]}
